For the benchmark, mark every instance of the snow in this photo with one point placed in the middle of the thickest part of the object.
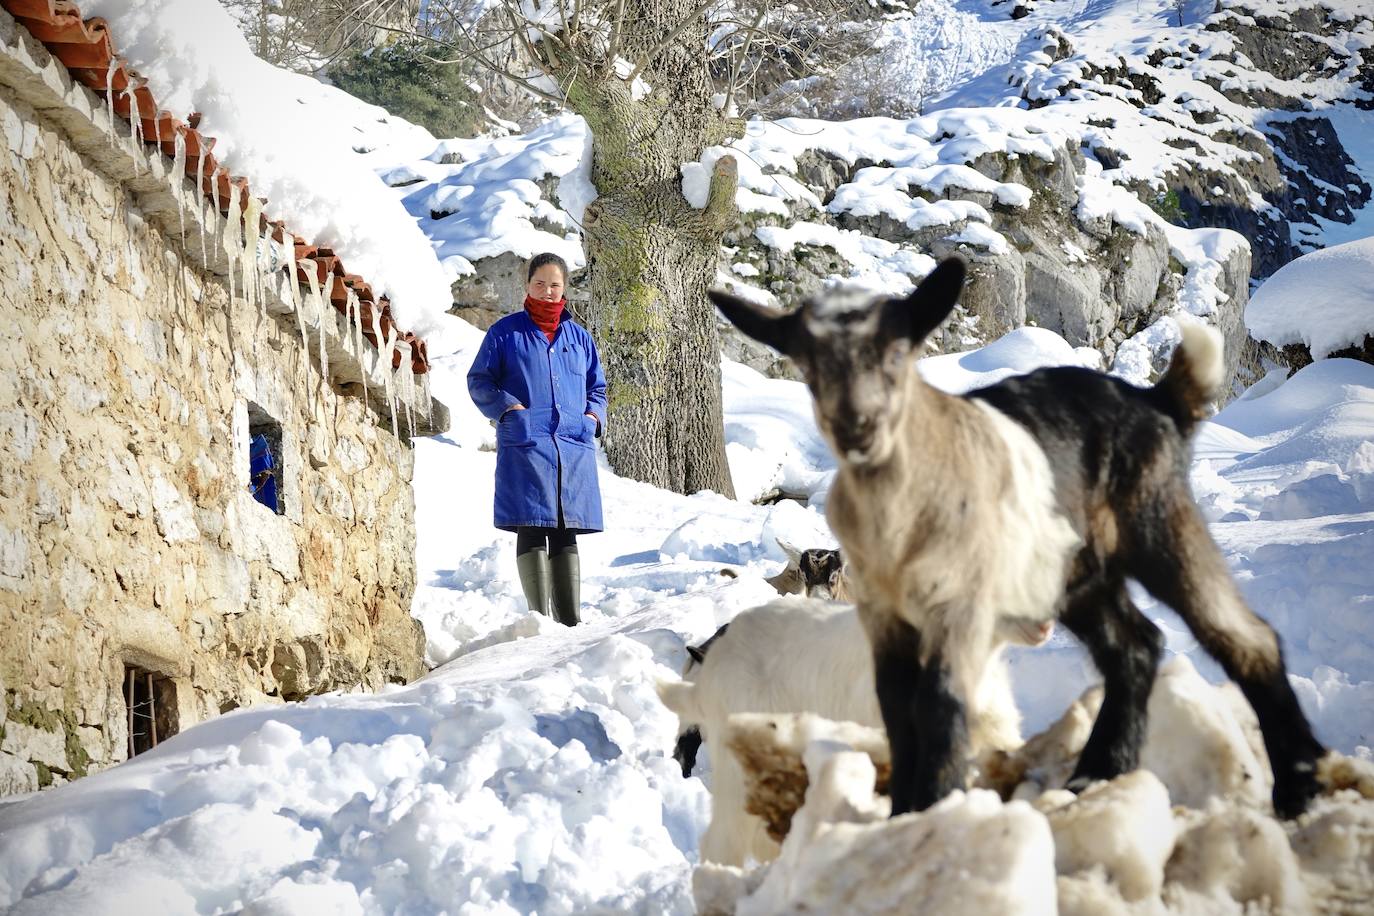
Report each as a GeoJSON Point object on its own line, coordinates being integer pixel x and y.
{"type": "Point", "coordinates": [1167, 838]}
{"type": "Point", "coordinates": [532, 770]}
{"type": "Point", "coordinates": [1022, 350]}
{"type": "Point", "coordinates": [480, 198]}
{"type": "Point", "coordinates": [302, 145]}
{"type": "Point", "coordinates": [1323, 300]}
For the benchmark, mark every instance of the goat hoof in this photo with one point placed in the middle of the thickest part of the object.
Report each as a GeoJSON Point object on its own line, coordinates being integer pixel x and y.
{"type": "Point", "coordinates": [1079, 783]}
{"type": "Point", "coordinates": [1292, 795]}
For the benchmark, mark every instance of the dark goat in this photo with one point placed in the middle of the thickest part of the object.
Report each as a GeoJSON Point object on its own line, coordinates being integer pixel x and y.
{"type": "Point", "coordinates": [1034, 498]}
{"type": "Point", "coordinates": [817, 572]}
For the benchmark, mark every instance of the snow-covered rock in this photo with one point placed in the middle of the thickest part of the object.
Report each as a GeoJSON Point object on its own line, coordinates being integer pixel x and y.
{"type": "Point", "coordinates": [1323, 301]}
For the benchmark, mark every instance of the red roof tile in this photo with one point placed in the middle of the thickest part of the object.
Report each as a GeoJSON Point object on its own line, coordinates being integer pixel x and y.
{"type": "Point", "coordinates": [85, 48]}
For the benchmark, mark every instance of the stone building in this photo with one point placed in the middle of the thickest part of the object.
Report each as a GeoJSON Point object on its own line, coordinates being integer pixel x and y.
{"type": "Point", "coordinates": [148, 339]}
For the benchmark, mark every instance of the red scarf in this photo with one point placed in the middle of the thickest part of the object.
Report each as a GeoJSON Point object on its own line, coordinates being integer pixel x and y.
{"type": "Point", "coordinates": [545, 315]}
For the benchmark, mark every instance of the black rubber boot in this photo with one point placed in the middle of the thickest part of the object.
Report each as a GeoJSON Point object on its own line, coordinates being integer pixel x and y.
{"type": "Point", "coordinates": [535, 578]}
{"type": "Point", "coordinates": [567, 588]}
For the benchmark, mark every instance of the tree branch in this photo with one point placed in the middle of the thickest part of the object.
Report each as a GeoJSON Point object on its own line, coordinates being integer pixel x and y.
{"type": "Point", "coordinates": [669, 39]}
{"type": "Point", "coordinates": [738, 62]}
{"type": "Point", "coordinates": [613, 50]}
{"type": "Point", "coordinates": [476, 53]}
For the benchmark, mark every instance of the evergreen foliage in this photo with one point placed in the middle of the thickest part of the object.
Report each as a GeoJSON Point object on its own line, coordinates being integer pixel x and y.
{"type": "Point", "coordinates": [1167, 205]}
{"type": "Point", "coordinates": [398, 77]}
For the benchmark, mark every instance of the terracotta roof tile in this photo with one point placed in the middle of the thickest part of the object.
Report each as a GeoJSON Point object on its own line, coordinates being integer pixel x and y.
{"type": "Point", "coordinates": [87, 51]}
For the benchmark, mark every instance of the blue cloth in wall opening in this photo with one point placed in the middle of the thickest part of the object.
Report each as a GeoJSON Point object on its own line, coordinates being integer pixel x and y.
{"type": "Point", "coordinates": [262, 479]}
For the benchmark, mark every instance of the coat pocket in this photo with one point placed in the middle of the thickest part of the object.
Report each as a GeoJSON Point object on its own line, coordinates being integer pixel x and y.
{"type": "Point", "coordinates": [581, 431]}
{"type": "Point", "coordinates": [513, 430]}
{"type": "Point", "coordinates": [586, 433]}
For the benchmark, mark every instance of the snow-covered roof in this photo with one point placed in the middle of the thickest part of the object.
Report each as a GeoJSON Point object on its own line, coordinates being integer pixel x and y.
{"type": "Point", "coordinates": [179, 56]}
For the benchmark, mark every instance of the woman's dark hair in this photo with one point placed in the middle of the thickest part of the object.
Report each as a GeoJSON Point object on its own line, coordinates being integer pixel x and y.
{"type": "Point", "coordinates": [540, 260]}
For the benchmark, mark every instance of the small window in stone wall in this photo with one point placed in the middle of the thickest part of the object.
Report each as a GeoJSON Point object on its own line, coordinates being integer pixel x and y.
{"type": "Point", "coordinates": [265, 459]}
{"type": "Point", "coordinates": [150, 709]}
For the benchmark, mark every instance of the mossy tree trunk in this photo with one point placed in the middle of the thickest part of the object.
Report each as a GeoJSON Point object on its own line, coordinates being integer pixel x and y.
{"type": "Point", "coordinates": [651, 255]}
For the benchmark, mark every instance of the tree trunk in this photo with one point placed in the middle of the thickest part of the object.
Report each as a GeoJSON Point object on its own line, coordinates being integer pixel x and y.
{"type": "Point", "coordinates": [651, 257]}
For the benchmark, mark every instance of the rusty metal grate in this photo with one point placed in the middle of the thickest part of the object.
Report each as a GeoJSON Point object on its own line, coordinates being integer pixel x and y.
{"type": "Point", "coordinates": [149, 706]}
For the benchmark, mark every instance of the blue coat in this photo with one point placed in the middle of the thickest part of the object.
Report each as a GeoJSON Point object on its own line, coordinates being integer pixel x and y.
{"type": "Point", "coordinates": [559, 383]}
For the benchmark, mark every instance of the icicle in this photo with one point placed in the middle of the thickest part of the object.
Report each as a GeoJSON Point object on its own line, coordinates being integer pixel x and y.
{"type": "Point", "coordinates": [359, 344]}
{"type": "Point", "coordinates": [231, 242]}
{"type": "Point", "coordinates": [390, 384]}
{"type": "Point", "coordinates": [429, 400]}
{"type": "Point", "coordinates": [213, 221]}
{"type": "Point", "coordinates": [350, 307]}
{"type": "Point", "coordinates": [200, 202]}
{"type": "Point", "coordinates": [408, 395]}
{"type": "Point", "coordinates": [177, 178]}
{"type": "Point", "coordinates": [313, 280]}
{"type": "Point", "coordinates": [138, 138]}
{"type": "Point", "coordinates": [376, 329]}
{"type": "Point", "coordinates": [109, 95]}
{"type": "Point", "coordinates": [135, 124]}
{"type": "Point", "coordinates": [251, 269]}
{"type": "Point", "coordinates": [287, 257]}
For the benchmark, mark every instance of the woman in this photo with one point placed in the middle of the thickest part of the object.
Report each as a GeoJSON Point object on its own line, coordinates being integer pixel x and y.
{"type": "Point", "coordinates": [537, 374]}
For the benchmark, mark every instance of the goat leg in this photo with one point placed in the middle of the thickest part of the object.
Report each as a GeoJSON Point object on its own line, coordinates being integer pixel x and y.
{"type": "Point", "coordinates": [1126, 647]}
{"type": "Point", "coordinates": [897, 671]}
{"type": "Point", "coordinates": [941, 734]}
{"type": "Point", "coordinates": [1183, 568]}
{"type": "Point", "coordinates": [927, 727]}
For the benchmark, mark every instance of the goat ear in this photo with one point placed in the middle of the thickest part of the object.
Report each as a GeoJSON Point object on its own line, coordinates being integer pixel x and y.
{"type": "Point", "coordinates": [779, 330]}
{"type": "Point", "coordinates": [792, 553]}
{"type": "Point", "coordinates": [915, 316]}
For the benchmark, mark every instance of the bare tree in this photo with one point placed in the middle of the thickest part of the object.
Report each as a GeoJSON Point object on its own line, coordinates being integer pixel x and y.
{"type": "Point", "coordinates": [306, 35]}
{"type": "Point", "coordinates": [657, 81]}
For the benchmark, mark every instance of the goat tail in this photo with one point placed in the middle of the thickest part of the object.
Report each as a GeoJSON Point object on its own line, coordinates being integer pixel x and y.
{"type": "Point", "coordinates": [681, 698]}
{"type": "Point", "coordinates": [1195, 375]}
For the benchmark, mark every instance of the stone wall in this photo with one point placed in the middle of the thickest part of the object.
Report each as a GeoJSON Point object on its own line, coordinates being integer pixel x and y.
{"type": "Point", "coordinates": [128, 537]}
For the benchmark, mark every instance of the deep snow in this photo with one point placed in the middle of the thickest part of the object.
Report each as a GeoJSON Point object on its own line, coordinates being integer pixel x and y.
{"type": "Point", "coordinates": [530, 771]}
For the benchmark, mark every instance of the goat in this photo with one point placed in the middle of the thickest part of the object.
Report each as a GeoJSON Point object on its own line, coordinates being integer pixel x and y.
{"type": "Point", "coordinates": [817, 572]}
{"type": "Point", "coordinates": [689, 738]}
{"type": "Point", "coordinates": [798, 655]}
{"type": "Point", "coordinates": [1035, 497]}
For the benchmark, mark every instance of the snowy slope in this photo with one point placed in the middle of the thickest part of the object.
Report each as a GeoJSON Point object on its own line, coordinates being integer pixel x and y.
{"type": "Point", "coordinates": [531, 772]}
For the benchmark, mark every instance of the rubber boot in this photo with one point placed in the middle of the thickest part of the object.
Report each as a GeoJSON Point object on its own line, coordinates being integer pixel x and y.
{"type": "Point", "coordinates": [567, 588]}
{"type": "Point", "coordinates": [535, 579]}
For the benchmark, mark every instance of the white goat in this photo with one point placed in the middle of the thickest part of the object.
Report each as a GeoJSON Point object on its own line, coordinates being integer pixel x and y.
{"type": "Point", "coordinates": [799, 655]}
{"type": "Point", "coordinates": [1036, 497]}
